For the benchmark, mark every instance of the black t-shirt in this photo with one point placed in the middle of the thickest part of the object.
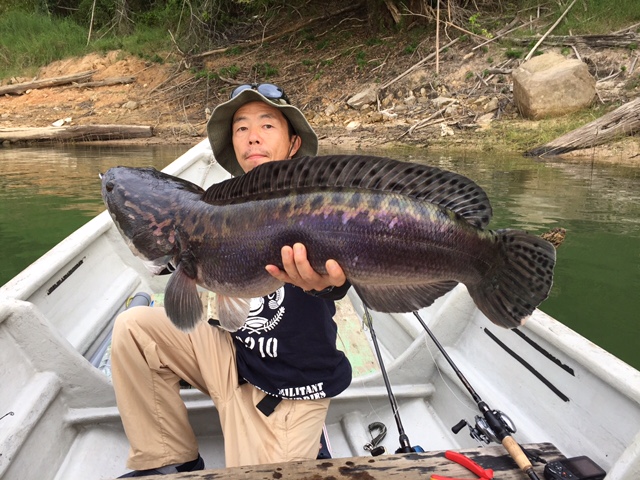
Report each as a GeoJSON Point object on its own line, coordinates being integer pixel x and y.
{"type": "Point", "coordinates": [287, 346]}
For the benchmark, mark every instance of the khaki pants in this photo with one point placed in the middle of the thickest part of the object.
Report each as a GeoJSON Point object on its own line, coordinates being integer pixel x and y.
{"type": "Point", "coordinates": [150, 356]}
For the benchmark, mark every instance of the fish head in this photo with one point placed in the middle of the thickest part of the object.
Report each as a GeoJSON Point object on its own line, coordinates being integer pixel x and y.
{"type": "Point", "coordinates": [145, 205]}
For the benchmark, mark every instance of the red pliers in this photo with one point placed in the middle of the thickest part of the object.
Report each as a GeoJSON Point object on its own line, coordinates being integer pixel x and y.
{"type": "Point", "coordinates": [483, 474]}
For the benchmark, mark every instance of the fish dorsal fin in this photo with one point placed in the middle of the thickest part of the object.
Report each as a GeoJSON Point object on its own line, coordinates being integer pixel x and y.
{"type": "Point", "coordinates": [441, 187]}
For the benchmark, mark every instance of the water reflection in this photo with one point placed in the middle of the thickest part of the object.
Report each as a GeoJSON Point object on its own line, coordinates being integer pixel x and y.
{"type": "Point", "coordinates": [47, 193]}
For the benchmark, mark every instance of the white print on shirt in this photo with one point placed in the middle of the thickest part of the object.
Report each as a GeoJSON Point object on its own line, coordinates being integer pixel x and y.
{"type": "Point", "coordinates": [307, 392]}
{"type": "Point", "coordinates": [257, 324]}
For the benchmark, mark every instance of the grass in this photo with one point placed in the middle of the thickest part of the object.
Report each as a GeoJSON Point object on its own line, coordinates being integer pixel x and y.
{"type": "Point", "coordinates": [587, 16]}
{"type": "Point", "coordinates": [532, 134]}
{"type": "Point", "coordinates": [27, 42]}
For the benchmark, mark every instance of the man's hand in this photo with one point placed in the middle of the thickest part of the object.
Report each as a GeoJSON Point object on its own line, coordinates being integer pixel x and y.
{"type": "Point", "coordinates": [298, 270]}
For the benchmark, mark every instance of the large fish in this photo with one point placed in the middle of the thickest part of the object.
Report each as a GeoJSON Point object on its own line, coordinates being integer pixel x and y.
{"type": "Point", "coordinates": [404, 234]}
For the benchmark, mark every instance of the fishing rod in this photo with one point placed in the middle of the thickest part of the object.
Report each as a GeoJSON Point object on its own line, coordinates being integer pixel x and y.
{"type": "Point", "coordinates": [405, 445]}
{"type": "Point", "coordinates": [497, 424]}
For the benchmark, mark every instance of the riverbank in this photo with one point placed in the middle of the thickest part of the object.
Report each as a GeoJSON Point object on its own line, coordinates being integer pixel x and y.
{"type": "Point", "coordinates": [463, 107]}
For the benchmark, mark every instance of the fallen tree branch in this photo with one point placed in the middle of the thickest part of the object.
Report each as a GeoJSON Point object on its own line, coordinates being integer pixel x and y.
{"type": "Point", "coordinates": [20, 88]}
{"type": "Point", "coordinates": [103, 83]}
{"type": "Point", "coordinates": [282, 33]}
{"type": "Point", "coordinates": [624, 120]}
{"type": "Point", "coordinates": [625, 40]}
{"type": "Point", "coordinates": [415, 66]}
{"type": "Point", "coordinates": [75, 132]}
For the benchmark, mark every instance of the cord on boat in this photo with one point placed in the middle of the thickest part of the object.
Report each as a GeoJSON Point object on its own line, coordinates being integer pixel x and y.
{"type": "Point", "coordinates": [7, 414]}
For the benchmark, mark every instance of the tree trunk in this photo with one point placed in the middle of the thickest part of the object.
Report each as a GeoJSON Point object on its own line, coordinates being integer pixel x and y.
{"type": "Point", "coordinates": [75, 132]}
{"type": "Point", "coordinates": [625, 40]}
{"type": "Point", "coordinates": [20, 88]}
{"type": "Point", "coordinates": [624, 120]}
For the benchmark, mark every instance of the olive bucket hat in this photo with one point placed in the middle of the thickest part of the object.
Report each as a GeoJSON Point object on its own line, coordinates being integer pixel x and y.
{"type": "Point", "coordinates": [219, 126]}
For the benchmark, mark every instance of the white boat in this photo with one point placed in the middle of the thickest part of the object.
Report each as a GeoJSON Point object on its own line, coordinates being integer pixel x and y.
{"type": "Point", "coordinates": [59, 419]}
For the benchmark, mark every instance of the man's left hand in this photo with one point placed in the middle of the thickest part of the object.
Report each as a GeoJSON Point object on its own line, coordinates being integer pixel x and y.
{"type": "Point", "coordinates": [298, 271]}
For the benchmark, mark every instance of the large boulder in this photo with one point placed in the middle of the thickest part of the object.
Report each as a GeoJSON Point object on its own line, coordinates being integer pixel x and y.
{"type": "Point", "coordinates": [551, 85]}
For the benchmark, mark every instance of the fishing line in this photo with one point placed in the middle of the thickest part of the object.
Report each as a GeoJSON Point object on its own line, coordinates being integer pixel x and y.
{"type": "Point", "coordinates": [462, 402]}
{"type": "Point", "coordinates": [7, 414]}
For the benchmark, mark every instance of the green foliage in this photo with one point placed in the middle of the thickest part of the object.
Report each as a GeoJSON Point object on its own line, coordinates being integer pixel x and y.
{"type": "Point", "coordinates": [587, 16]}
{"type": "Point", "coordinates": [409, 49]}
{"type": "Point", "coordinates": [231, 71]}
{"type": "Point", "coordinates": [475, 27]}
{"type": "Point", "coordinates": [361, 60]}
{"type": "Point", "coordinates": [30, 41]}
{"type": "Point", "coordinates": [264, 70]}
{"type": "Point", "coordinates": [321, 45]}
{"type": "Point", "coordinates": [514, 53]}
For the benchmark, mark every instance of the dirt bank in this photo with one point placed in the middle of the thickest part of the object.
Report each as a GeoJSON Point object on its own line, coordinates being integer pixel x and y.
{"type": "Point", "coordinates": [175, 98]}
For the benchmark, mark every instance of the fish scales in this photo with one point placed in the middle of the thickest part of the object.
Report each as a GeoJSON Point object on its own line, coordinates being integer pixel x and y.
{"type": "Point", "coordinates": [355, 234]}
{"type": "Point", "coordinates": [404, 234]}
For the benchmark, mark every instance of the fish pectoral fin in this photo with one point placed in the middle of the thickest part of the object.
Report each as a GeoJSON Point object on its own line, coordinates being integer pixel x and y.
{"type": "Point", "coordinates": [182, 302]}
{"type": "Point", "coordinates": [402, 298]}
{"type": "Point", "coordinates": [233, 312]}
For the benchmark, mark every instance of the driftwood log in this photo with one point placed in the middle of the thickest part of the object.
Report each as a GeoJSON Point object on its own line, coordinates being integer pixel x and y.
{"type": "Point", "coordinates": [103, 83]}
{"type": "Point", "coordinates": [407, 466]}
{"type": "Point", "coordinates": [75, 132]}
{"type": "Point", "coordinates": [624, 120]}
{"type": "Point", "coordinates": [625, 40]}
{"type": "Point", "coordinates": [20, 88]}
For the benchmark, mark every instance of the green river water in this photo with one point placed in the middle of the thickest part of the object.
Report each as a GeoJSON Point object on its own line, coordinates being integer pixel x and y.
{"type": "Point", "coordinates": [48, 192]}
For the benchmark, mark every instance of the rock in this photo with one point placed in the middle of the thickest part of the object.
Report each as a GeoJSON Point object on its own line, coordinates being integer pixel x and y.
{"type": "Point", "coordinates": [492, 105]}
{"type": "Point", "coordinates": [366, 96]}
{"type": "Point", "coordinates": [61, 122]}
{"type": "Point", "coordinates": [415, 80]}
{"type": "Point", "coordinates": [445, 130]}
{"type": "Point", "coordinates": [351, 126]}
{"type": "Point", "coordinates": [484, 121]}
{"type": "Point", "coordinates": [551, 85]}
{"type": "Point", "coordinates": [331, 109]}
{"type": "Point", "coordinates": [452, 110]}
{"type": "Point", "coordinates": [442, 101]}
{"type": "Point", "coordinates": [130, 105]}
{"type": "Point", "coordinates": [410, 100]}
{"type": "Point", "coordinates": [388, 100]}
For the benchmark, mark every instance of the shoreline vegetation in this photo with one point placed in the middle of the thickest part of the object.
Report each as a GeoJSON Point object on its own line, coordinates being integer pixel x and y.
{"type": "Point", "coordinates": [443, 74]}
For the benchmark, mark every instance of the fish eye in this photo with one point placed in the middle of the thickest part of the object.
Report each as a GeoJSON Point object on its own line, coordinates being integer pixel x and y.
{"type": "Point", "coordinates": [109, 186]}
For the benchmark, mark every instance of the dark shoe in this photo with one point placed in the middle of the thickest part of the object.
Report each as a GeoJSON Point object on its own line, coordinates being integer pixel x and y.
{"type": "Point", "coordinates": [192, 466]}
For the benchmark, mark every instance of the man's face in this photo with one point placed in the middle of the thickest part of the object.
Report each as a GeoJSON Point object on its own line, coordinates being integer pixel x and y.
{"type": "Point", "coordinates": [260, 134]}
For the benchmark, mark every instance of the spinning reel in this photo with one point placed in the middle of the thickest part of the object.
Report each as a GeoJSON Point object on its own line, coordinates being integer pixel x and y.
{"type": "Point", "coordinates": [482, 432]}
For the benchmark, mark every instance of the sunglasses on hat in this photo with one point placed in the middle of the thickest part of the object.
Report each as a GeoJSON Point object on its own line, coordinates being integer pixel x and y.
{"type": "Point", "coordinates": [267, 90]}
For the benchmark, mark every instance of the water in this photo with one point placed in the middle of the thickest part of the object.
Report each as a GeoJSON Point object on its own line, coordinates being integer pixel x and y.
{"type": "Point", "coordinates": [46, 193]}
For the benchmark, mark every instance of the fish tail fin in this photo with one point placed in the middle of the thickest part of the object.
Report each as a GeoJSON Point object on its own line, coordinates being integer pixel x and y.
{"type": "Point", "coordinates": [520, 282]}
{"type": "Point", "coordinates": [233, 312]}
{"type": "Point", "coordinates": [182, 302]}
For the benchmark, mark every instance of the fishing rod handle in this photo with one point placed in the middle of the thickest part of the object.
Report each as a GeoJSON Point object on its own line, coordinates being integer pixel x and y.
{"type": "Point", "coordinates": [519, 456]}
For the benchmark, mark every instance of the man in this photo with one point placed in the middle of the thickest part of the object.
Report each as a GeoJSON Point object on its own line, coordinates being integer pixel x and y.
{"type": "Point", "coordinates": [272, 379]}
